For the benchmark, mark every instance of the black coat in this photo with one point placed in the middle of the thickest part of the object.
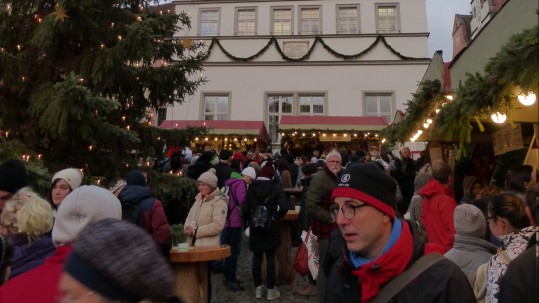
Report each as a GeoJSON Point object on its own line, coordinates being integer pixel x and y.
{"type": "Point", "coordinates": [262, 241]}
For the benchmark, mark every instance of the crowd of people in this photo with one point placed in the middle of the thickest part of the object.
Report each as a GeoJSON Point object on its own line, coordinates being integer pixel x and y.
{"type": "Point", "coordinates": [387, 227]}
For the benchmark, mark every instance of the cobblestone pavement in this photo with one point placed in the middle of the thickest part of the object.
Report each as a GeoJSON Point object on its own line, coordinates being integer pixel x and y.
{"type": "Point", "coordinates": [222, 295]}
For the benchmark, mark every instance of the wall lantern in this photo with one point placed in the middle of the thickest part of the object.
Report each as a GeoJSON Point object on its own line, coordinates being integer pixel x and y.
{"type": "Point", "coordinates": [527, 99]}
{"type": "Point", "coordinates": [498, 117]}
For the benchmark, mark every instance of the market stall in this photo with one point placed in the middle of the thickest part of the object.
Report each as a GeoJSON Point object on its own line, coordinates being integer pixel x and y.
{"type": "Point", "coordinates": [231, 134]}
{"type": "Point", "coordinates": [327, 132]}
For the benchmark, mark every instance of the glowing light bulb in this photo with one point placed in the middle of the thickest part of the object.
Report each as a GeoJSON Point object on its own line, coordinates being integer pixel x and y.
{"type": "Point", "coordinates": [498, 117]}
{"type": "Point", "coordinates": [527, 99]}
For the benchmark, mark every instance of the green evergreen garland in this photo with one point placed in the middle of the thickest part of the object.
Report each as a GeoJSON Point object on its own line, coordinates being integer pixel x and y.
{"type": "Point", "coordinates": [516, 65]}
{"type": "Point", "coordinates": [273, 40]}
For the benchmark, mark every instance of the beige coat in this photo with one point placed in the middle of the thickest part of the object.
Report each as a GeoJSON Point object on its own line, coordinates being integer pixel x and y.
{"type": "Point", "coordinates": [210, 216]}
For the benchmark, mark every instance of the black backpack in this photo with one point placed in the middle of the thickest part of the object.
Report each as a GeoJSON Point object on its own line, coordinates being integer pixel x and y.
{"type": "Point", "coordinates": [134, 211]}
{"type": "Point", "coordinates": [261, 219]}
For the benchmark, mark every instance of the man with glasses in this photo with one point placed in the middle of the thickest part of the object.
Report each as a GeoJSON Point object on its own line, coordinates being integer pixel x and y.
{"type": "Point", "coordinates": [380, 246]}
{"type": "Point", "coordinates": [12, 178]}
{"type": "Point", "coordinates": [317, 203]}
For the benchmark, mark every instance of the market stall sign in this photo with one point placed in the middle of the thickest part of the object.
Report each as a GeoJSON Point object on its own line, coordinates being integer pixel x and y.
{"type": "Point", "coordinates": [334, 137]}
{"type": "Point", "coordinates": [507, 139]}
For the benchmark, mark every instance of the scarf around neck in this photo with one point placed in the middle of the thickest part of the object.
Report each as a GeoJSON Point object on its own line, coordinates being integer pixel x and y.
{"type": "Point", "coordinates": [375, 274]}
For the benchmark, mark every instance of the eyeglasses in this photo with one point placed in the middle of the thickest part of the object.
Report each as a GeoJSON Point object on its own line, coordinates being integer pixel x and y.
{"type": "Point", "coordinates": [334, 162]}
{"type": "Point", "coordinates": [490, 218]}
{"type": "Point", "coordinates": [348, 210]}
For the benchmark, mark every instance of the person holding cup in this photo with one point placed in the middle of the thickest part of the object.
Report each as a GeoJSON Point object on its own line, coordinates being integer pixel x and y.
{"type": "Point", "coordinates": [207, 216]}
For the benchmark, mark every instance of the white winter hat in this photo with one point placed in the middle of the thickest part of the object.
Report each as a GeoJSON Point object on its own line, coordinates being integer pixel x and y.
{"type": "Point", "coordinates": [209, 178]}
{"type": "Point", "coordinates": [72, 176]}
{"type": "Point", "coordinates": [249, 171]}
{"type": "Point", "coordinates": [83, 205]}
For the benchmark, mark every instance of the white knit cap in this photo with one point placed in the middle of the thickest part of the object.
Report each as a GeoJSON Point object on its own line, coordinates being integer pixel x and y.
{"type": "Point", "coordinates": [469, 221]}
{"type": "Point", "coordinates": [84, 205]}
{"type": "Point", "coordinates": [72, 176]}
{"type": "Point", "coordinates": [249, 171]}
{"type": "Point", "coordinates": [209, 178]}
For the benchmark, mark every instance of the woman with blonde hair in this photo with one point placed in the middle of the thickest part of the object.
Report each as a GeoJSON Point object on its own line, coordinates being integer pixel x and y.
{"type": "Point", "coordinates": [27, 220]}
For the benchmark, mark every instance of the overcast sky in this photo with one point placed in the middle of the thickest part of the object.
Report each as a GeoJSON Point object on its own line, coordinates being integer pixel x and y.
{"type": "Point", "coordinates": [440, 16]}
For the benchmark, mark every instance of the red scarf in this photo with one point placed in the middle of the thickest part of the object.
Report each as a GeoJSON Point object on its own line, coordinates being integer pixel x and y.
{"type": "Point", "coordinates": [375, 274]}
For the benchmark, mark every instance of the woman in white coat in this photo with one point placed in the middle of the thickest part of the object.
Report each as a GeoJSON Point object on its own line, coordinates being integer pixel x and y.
{"type": "Point", "coordinates": [207, 216]}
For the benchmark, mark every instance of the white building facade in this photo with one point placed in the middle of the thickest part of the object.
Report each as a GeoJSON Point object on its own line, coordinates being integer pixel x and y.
{"type": "Point", "coordinates": [304, 58]}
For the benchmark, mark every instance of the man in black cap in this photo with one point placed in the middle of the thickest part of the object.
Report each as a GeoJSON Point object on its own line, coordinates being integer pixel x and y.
{"type": "Point", "coordinates": [223, 169]}
{"type": "Point", "coordinates": [381, 247]}
{"type": "Point", "coordinates": [12, 178]}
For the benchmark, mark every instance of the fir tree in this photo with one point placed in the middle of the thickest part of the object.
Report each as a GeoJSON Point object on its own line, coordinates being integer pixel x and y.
{"type": "Point", "coordinates": [78, 79]}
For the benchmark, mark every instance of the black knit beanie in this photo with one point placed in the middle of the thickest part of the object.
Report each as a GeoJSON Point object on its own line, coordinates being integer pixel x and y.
{"type": "Point", "coordinates": [368, 183]}
{"type": "Point", "coordinates": [135, 178]}
{"type": "Point", "coordinates": [12, 176]}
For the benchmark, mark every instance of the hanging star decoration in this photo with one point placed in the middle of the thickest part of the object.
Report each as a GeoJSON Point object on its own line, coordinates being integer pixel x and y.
{"type": "Point", "coordinates": [260, 216]}
{"type": "Point", "coordinates": [186, 42]}
{"type": "Point", "coordinates": [60, 14]}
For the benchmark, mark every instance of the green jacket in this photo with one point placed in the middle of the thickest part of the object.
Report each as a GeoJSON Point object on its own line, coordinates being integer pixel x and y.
{"type": "Point", "coordinates": [318, 201]}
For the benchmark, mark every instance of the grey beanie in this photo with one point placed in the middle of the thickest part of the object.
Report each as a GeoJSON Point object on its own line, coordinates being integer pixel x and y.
{"type": "Point", "coordinates": [469, 221]}
{"type": "Point", "coordinates": [120, 261]}
{"type": "Point", "coordinates": [209, 178]}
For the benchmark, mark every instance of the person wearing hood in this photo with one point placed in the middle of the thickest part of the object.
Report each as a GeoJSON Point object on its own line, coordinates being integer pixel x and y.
{"type": "Point", "coordinates": [414, 209]}
{"type": "Point", "coordinates": [84, 205]}
{"type": "Point", "coordinates": [155, 221]}
{"type": "Point", "coordinates": [438, 206]}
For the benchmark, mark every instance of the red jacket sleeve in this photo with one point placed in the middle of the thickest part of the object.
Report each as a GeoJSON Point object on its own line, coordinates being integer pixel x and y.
{"type": "Point", "coordinates": [160, 229]}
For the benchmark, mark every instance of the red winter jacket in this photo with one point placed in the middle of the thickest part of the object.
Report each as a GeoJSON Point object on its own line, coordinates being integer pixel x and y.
{"type": "Point", "coordinates": [38, 285]}
{"type": "Point", "coordinates": [437, 213]}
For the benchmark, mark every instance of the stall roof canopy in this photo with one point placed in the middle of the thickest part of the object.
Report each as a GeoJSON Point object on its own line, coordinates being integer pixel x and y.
{"type": "Point", "coordinates": [222, 127]}
{"type": "Point", "coordinates": [332, 123]}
